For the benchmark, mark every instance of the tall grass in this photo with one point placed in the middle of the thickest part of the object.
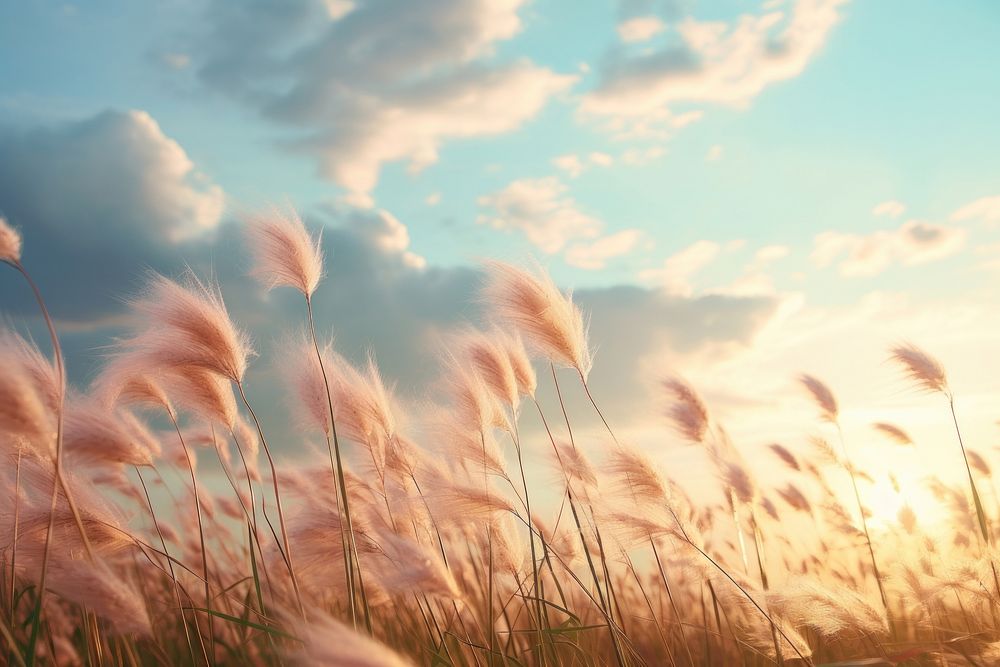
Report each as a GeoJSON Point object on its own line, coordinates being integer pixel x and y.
{"type": "Point", "coordinates": [475, 533]}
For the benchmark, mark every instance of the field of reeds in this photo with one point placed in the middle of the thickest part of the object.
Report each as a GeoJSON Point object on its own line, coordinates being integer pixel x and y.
{"type": "Point", "coordinates": [388, 547]}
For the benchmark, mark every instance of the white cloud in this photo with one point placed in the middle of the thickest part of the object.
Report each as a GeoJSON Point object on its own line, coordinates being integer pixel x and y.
{"type": "Point", "coordinates": [914, 242]}
{"type": "Point", "coordinates": [889, 209]}
{"type": "Point", "coordinates": [677, 270]}
{"type": "Point", "coordinates": [714, 153]}
{"type": "Point", "coordinates": [640, 29]}
{"type": "Point", "coordinates": [574, 165]}
{"type": "Point", "coordinates": [115, 174]}
{"type": "Point", "coordinates": [770, 253]}
{"type": "Point", "coordinates": [571, 164]}
{"type": "Point", "coordinates": [542, 210]}
{"type": "Point", "coordinates": [384, 232]}
{"type": "Point", "coordinates": [637, 157]}
{"type": "Point", "coordinates": [595, 254]}
{"type": "Point", "coordinates": [986, 209]}
{"type": "Point", "coordinates": [433, 199]}
{"type": "Point", "coordinates": [380, 82]}
{"type": "Point", "coordinates": [716, 63]}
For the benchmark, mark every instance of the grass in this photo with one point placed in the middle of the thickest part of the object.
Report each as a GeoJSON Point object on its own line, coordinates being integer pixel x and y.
{"type": "Point", "coordinates": [397, 547]}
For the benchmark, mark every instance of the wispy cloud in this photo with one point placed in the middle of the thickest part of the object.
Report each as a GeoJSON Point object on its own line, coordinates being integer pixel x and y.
{"type": "Point", "coordinates": [595, 254]}
{"type": "Point", "coordinates": [377, 82]}
{"type": "Point", "coordinates": [711, 62]}
{"type": "Point", "coordinates": [543, 210]}
{"type": "Point", "coordinates": [913, 242]}
{"type": "Point", "coordinates": [985, 209]}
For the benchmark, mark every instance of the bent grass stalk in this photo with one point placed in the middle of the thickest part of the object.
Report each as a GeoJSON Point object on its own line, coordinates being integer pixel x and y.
{"type": "Point", "coordinates": [351, 561]}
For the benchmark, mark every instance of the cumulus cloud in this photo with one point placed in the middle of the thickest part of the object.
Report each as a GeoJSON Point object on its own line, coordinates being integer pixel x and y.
{"type": "Point", "coordinates": [574, 165]}
{"type": "Point", "coordinates": [640, 28]}
{"type": "Point", "coordinates": [379, 82]}
{"type": "Point", "coordinates": [986, 209]}
{"type": "Point", "coordinates": [914, 242]}
{"type": "Point", "coordinates": [98, 200]}
{"type": "Point", "coordinates": [709, 62]}
{"type": "Point", "coordinates": [543, 210]}
{"type": "Point", "coordinates": [714, 153]}
{"type": "Point", "coordinates": [677, 270]}
{"type": "Point", "coordinates": [889, 209]}
{"type": "Point", "coordinates": [595, 254]}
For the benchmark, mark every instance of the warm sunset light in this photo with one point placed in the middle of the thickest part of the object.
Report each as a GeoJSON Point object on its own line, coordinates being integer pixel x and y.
{"type": "Point", "coordinates": [499, 333]}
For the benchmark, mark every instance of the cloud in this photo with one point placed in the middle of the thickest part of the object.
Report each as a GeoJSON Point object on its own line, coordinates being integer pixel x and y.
{"type": "Point", "coordinates": [714, 153]}
{"type": "Point", "coordinates": [543, 210]}
{"type": "Point", "coordinates": [710, 62]}
{"type": "Point", "coordinates": [640, 29]}
{"type": "Point", "coordinates": [574, 165]}
{"type": "Point", "coordinates": [98, 200]}
{"type": "Point", "coordinates": [889, 209]}
{"type": "Point", "coordinates": [433, 199]}
{"type": "Point", "coordinates": [595, 254]}
{"type": "Point", "coordinates": [381, 82]}
{"type": "Point", "coordinates": [986, 209]}
{"type": "Point", "coordinates": [914, 242]}
{"type": "Point", "coordinates": [677, 270]}
{"type": "Point", "coordinates": [636, 157]}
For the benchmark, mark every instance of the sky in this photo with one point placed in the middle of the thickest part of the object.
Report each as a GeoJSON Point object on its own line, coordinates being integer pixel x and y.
{"type": "Point", "coordinates": [737, 191]}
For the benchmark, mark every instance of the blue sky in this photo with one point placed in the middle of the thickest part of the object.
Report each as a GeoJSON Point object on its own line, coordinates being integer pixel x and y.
{"type": "Point", "coordinates": [896, 103]}
{"type": "Point", "coordinates": [757, 188]}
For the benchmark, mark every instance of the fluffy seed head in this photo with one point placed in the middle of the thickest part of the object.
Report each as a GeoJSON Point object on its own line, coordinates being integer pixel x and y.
{"type": "Point", "coordinates": [285, 253]}
{"type": "Point", "coordinates": [922, 368]}
{"type": "Point", "coordinates": [188, 326]}
{"type": "Point", "coordinates": [823, 396]}
{"type": "Point", "coordinates": [782, 453]}
{"type": "Point", "coordinates": [688, 412]}
{"type": "Point", "coordinates": [10, 242]}
{"type": "Point", "coordinates": [894, 433]}
{"type": "Point", "coordinates": [533, 306]}
{"type": "Point", "coordinates": [491, 363]}
{"type": "Point", "coordinates": [329, 642]}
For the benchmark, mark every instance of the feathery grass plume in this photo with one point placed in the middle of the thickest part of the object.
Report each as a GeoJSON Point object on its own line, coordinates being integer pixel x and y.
{"type": "Point", "coordinates": [285, 253]}
{"type": "Point", "coordinates": [576, 466]}
{"type": "Point", "coordinates": [520, 362]}
{"type": "Point", "coordinates": [636, 475]}
{"type": "Point", "coordinates": [20, 351]}
{"type": "Point", "coordinates": [303, 376]}
{"type": "Point", "coordinates": [831, 613]}
{"type": "Point", "coordinates": [551, 324]}
{"type": "Point", "coordinates": [23, 410]}
{"type": "Point", "coordinates": [907, 519]}
{"type": "Point", "coordinates": [127, 379]}
{"type": "Point", "coordinates": [407, 566]}
{"type": "Point", "coordinates": [979, 463]}
{"type": "Point", "coordinates": [472, 402]}
{"type": "Point", "coordinates": [94, 435]}
{"type": "Point", "coordinates": [785, 455]}
{"type": "Point", "coordinates": [362, 404]}
{"type": "Point", "coordinates": [188, 327]}
{"type": "Point", "coordinates": [925, 371]}
{"type": "Point", "coordinates": [96, 586]}
{"type": "Point", "coordinates": [205, 394]}
{"type": "Point", "coordinates": [688, 411]}
{"type": "Point", "coordinates": [824, 398]}
{"type": "Point", "coordinates": [491, 362]}
{"type": "Point", "coordinates": [10, 243]}
{"type": "Point", "coordinates": [460, 503]}
{"type": "Point", "coordinates": [893, 432]}
{"type": "Point", "coordinates": [795, 499]}
{"type": "Point", "coordinates": [329, 643]}
{"type": "Point", "coordinates": [460, 444]}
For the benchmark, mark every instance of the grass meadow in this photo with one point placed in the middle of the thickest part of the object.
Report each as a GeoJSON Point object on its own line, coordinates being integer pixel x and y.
{"type": "Point", "coordinates": [390, 545]}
